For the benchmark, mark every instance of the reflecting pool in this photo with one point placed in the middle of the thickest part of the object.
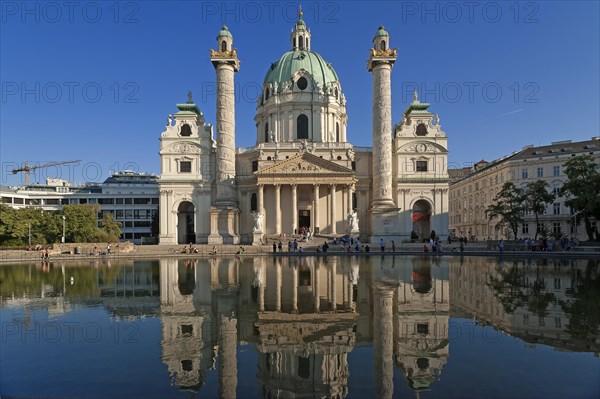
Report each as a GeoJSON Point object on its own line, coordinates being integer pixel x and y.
{"type": "Point", "coordinates": [356, 327]}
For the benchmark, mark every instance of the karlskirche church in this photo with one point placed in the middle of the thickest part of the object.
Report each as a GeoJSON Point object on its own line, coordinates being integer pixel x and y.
{"type": "Point", "coordinates": [303, 174]}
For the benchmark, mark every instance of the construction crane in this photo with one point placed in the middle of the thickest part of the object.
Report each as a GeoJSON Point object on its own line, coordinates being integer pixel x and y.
{"type": "Point", "coordinates": [28, 168]}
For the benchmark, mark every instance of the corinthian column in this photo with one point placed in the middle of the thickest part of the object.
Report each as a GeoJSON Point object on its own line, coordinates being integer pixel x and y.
{"type": "Point", "coordinates": [380, 64]}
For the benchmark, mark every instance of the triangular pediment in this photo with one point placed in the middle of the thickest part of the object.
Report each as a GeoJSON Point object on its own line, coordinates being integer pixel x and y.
{"type": "Point", "coordinates": [305, 163]}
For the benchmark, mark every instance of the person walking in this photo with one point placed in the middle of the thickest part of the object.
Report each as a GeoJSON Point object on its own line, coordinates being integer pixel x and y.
{"type": "Point", "coordinates": [382, 245]}
{"type": "Point", "coordinates": [501, 245]}
{"type": "Point", "coordinates": [393, 246]}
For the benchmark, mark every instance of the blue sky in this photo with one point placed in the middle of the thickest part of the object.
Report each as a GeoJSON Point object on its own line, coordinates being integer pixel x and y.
{"type": "Point", "coordinates": [96, 80]}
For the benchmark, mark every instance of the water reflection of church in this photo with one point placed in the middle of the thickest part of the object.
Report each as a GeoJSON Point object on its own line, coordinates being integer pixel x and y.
{"type": "Point", "coordinates": [304, 316]}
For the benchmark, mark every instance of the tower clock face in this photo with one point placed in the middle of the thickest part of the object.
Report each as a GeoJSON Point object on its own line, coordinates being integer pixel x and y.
{"type": "Point", "coordinates": [421, 147]}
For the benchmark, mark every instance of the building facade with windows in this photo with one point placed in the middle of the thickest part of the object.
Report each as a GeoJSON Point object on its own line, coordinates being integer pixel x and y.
{"type": "Point", "coordinates": [131, 197]}
{"type": "Point", "coordinates": [303, 173]}
{"type": "Point", "coordinates": [472, 194]}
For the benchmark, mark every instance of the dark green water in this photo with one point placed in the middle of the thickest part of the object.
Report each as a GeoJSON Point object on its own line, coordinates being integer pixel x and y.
{"type": "Point", "coordinates": [301, 327]}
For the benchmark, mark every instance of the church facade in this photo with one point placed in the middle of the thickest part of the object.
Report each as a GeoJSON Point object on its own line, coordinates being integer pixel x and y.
{"type": "Point", "coordinates": [303, 174]}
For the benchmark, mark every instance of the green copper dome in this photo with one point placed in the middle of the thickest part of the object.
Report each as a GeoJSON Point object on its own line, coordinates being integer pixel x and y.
{"type": "Point", "coordinates": [381, 31]}
{"type": "Point", "coordinates": [293, 61]}
{"type": "Point", "coordinates": [224, 31]}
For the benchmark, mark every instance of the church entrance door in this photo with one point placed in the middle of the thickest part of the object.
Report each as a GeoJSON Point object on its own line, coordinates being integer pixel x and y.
{"type": "Point", "coordinates": [185, 223]}
{"type": "Point", "coordinates": [303, 219]}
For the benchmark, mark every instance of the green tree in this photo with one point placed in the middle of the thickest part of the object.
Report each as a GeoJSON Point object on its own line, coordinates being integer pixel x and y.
{"type": "Point", "coordinates": [536, 198]}
{"type": "Point", "coordinates": [581, 190]}
{"type": "Point", "coordinates": [508, 207]}
{"type": "Point", "coordinates": [80, 222]}
{"type": "Point", "coordinates": [12, 229]}
{"type": "Point", "coordinates": [110, 227]}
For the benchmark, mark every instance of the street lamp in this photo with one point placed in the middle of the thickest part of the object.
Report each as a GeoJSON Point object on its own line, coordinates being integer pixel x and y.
{"type": "Point", "coordinates": [63, 236]}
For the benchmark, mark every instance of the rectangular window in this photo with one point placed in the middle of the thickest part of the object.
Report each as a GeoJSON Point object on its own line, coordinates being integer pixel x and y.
{"type": "Point", "coordinates": [185, 167]}
{"type": "Point", "coordinates": [557, 322]}
{"type": "Point", "coordinates": [556, 170]}
{"type": "Point", "coordinates": [254, 166]}
{"type": "Point", "coordinates": [540, 172]}
{"type": "Point", "coordinates": [7, 200]}
{"type": "Point", "coordinates": [64, 201]}
{"type": "Point", "coordinates": [155, 201]}
{"type": "Point", "coordinates": [421, 166]}
{"type": "Point", "coordinates": [524, 174]}
{"type": "Point", "coordinates": [106, 201]}
{"type": "Point", "coordinates": [556, 227]}
{"type": "Point", "coordinates": [120, 214]}
{"type": "Point", "coordinates": [525, 228]}
{"type": "Point", "coordinates": [142, 201]}
{"type": "Point", "coordinates": [556, 208]}
{"type": "Point", "coordinates": [556, 191]}
{"type": "Point", "coordinates": [119, 201]}
{"type": "Point", "coordinates": [128, 201]}
{"type": "Point", "coordinates": [52, 201]}
{"type": "Point", "coordinates": [557, 283]}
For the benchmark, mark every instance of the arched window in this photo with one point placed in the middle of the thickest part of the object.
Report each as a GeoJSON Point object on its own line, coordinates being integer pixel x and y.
{"type": "Point", "coordinates": [223, 45]}
{"type": "Point", "coordinates": [382, 45]}
{"type": "Point", "coordinates": [421, 130]}
{"type": "Point", "coordinates": [186, 130]}
{"type": "Point", "coordinates": [267, 132]}
{"type": "Point", "coordinates": [294, 43]}
{"type": "Point", "coordinates": [302, 127]}
{"type": "Point", "coordinates": [301, 41]}
{"type": "Point", "coordinates": [337, 132]}
{"type": "Point", "coordinates": [336, 93]}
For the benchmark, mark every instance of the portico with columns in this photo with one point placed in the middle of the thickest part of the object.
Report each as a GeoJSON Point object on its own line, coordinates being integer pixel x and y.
{"type": "Point", "coordinates": [307, 192]}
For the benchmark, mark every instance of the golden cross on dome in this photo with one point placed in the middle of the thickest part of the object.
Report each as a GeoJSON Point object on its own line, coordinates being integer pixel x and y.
{"type": "Point", "coordinates": [300, 11]}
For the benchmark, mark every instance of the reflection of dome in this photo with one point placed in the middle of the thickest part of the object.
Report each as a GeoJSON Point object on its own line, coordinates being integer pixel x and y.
{"type": "Point", "coordinates": [293, 61]}
{"type": "Point", "coordinates": [421, 282]}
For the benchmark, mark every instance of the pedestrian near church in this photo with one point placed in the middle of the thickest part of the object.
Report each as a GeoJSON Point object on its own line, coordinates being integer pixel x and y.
{"type": "Point", "coordinates": [382, 244]}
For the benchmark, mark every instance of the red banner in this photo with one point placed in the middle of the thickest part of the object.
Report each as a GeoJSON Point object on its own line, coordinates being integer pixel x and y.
{"type": "Point", "coordinates": [421, 217]}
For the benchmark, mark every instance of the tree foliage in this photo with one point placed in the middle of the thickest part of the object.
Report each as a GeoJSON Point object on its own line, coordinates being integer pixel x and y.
{"type": "Point", "coordinates": [508, 207]}
{"type": "Point", "coordinates": [536, 198]}
{"type": "Point", "coordinates": [581, 190]}
{"type": "Point", "coordinates": [46, 227]}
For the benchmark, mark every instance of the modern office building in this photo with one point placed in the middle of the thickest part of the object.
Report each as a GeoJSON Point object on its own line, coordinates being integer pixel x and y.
{"type": "Point", "coordinates": [131, 197]}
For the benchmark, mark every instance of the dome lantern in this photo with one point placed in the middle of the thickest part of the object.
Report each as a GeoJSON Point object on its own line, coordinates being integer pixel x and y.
{"type": "Point", "coordinates": [300, 36]}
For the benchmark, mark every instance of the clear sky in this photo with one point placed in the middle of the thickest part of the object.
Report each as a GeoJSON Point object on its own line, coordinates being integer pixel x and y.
{"type": "Point", "coordinates": [96, 80]}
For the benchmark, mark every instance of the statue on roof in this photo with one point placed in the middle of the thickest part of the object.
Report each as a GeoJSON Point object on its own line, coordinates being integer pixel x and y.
{"type": "Point", "coordinates": [189, 96]}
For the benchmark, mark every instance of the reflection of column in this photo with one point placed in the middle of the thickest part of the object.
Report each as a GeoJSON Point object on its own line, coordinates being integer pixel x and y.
{"type": "Point", "coordinates": [278, 290]}
{"type": "Point", "coordinates": [294, 206]}
{"type": "Point", "coordinates": [227, 357]}
{"type": "Point", "coordinates": [295, 289]}
{"type": "Point", "coordinates": [333, 287]}
{"type": "Point", "coordinates": [261, 288]}
{"type": "Point", "coordinates": [317, 298]}
{"type": "Point", "coordinates": [332, 191]}
{"type": "Point", "coordinates": [277, 208]}
{"type": "Point", "coordinates": [383, 341]}
{"type": "Point", "coordinates": [316, 210]}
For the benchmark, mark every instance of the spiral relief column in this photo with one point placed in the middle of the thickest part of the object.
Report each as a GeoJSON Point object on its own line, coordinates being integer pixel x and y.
{"type": "Point", "coordinates": [383, 210]}
{"type": "Point", "coordinates": [224, 224]}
